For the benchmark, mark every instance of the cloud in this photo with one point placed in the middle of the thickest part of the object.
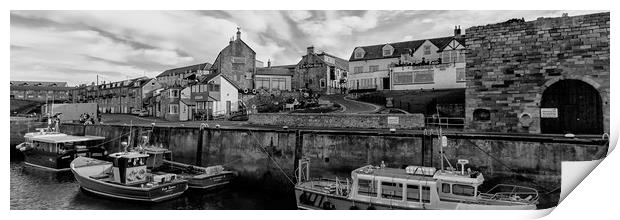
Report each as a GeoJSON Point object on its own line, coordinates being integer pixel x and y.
{"type": "Point", "coordinates": [73, 46]}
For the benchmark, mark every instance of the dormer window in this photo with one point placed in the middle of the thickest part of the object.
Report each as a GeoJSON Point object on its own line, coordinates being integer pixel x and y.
{"type": "Point", "coordinates": [387, 50]}
{"type": "Point", "coordinates": [359, 53]}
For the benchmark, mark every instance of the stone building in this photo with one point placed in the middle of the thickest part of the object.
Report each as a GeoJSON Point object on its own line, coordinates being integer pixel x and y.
{"type": "Point", "coordinates": [320, 72]}
{"type": "Point", "coordinates": [550, 75]}
{"type": "Point", "coordinates": [238, 62]}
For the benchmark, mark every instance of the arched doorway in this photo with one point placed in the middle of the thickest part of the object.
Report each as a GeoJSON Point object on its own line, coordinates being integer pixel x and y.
{"type": "Point", "coordinates": [579, 108]}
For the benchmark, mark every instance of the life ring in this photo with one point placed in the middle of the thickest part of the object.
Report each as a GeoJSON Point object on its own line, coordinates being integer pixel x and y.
{"type": "Point", "coordinates": [245, 90]}
{"type": "Point", "coordinates": [254, 91]}
{"type": "Point", "coordinates": [328, 205]}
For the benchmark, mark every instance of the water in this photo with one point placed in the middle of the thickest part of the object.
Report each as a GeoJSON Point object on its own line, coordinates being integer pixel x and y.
{"type": "Point", "coordinates": [32, 188]}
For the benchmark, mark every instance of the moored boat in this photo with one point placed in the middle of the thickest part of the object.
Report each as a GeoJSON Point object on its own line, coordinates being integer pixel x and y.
{"type": "Point", "coordinates": [159, 161]}
{"type": "Point", "coordinates": [126, 177]}
{"type": "Point", "coordinates": [415, 187]}
{"type": "Point", "coordinates": [53, 150]}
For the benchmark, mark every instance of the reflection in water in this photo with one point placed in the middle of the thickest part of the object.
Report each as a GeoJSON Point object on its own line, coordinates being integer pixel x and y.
{"type": "Point", "coordinates": [32, 188]}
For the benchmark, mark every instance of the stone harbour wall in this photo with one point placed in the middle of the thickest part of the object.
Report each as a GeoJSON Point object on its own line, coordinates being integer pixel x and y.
{"type": "Point", "coordinates": [510, 64]}
{"type": "Point", "coordinates": [364, 121]}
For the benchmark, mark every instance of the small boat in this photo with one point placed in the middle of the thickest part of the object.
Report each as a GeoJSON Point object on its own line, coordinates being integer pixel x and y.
{"type": "Point", "coordinates": [159, 161]}
{"type": "Point", "coordinates": [415, 187]}
{"type": "Point", "coordinates": [126, 177]}
{"type": "Point", "coordinates": [52, 150]}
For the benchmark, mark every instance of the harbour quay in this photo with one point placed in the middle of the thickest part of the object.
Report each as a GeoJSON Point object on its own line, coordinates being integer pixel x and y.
{"type": "Point", "coordinates": [259, 155]}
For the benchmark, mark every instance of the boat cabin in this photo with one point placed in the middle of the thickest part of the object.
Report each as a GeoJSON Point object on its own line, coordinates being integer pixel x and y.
{"type": "Point", "coordinates": [65, 144]}
{"type": "Point", "coordinates": [129, 168]}
{"type": "Point", "coordinates": [415, 186]}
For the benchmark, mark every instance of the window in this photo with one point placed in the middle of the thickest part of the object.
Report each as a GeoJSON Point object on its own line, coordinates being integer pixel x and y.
{"type": "Point", "coordinates": [322, 83]}
{"type": "Point", "coordinates": [262, 83]}
{"type": "Point", "coordinates": [424, 76]}
{"type": "Point", "coordinates": [460, 74]}
{"type": "Point", "coordinates": [174, 93]}
{"type": "Point", "coordinates": [460, 56]}
{"type": "Point", "coordinates": [445, 188]}
{"type": "Point", "coordinates": [463, 190]}
{"type": "Point", "coordinates": [174, 109]}
{"type": "Point", "coordinates": [373, 68]}
{"type": "Point", "coordinates": [392, 190]}
{"type": "Point", "coordinates": [403, 78]}
{"type": "Point", "coordinates": [426, 194]}
{"type": "Point", "coordinates": [427, 50]}
{"type": "Point", "coordinates": [366, 188]}
{"type": "Point", "coordinates": [413, 193]}
{"type": "Point", "coordinates": [359, 53]}
{"type": "Point", "coordinates": [278, 83]}
{"type": "Point", "coordinates": [387, 52]}
{"type": "Point", "coordinates": [358, 69]}
{"type": "Point", "coordinates": [214, 87]}
{"type": "Point", "coordinates": [446, 56]}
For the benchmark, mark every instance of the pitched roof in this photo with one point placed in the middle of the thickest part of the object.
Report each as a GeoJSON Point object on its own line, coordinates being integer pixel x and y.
{"type": "Point", "coordinates": [274, 71]}
{"type": "Point", "coordinates": [38, 83]}
{"type": "Point", "coordinates": [339, 62]}
{"type": "Point", "coordinates": [376, 51]}
{"type": "Point", "coordinates": [185, 69]}
{"type": "Point", "coordinates": [209, 77]}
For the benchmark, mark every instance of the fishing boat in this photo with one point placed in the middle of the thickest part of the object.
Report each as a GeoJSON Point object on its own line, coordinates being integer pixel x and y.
{"type": "Point", "coordinates": [160, 161]}
{"type": "Point", "coordinates": [126, 177]}
{"type": "Point", "coordinates": [52, 150]}
{"type": "Point", "coordinates": [415, 187]}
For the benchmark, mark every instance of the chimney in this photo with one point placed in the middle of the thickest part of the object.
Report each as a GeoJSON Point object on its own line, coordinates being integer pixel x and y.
{"type": "Point", "coordinates": [310, 50]}
{"type": "Point", "coordinates": [457, 31]}
{"type": "Point", "coordinates": [238, 33]}
{"type": "Point", "coordinates": [269, 63]}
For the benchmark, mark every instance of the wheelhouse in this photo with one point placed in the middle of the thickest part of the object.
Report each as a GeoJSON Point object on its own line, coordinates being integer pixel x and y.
{"type": "Point", "coordinates": [62, 144]}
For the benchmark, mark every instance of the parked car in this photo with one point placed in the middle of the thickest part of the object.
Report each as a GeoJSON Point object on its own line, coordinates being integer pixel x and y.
{"type": "Point", "coordinates": [135, 111]}
{"type": "Point", "coordinates": [143, 113]}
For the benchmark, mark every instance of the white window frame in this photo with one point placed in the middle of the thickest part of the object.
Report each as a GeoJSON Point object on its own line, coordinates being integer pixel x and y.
{"type": "Point", "coordinates": [171, 108]}
{"type": "Point", "coordinates": [464, 77]}
{"type": "Point", "coordinates": [427, 49]}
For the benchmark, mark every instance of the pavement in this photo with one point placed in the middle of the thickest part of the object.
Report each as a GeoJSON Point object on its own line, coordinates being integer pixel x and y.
{"type": "Point", "coordinates": [351, 106]}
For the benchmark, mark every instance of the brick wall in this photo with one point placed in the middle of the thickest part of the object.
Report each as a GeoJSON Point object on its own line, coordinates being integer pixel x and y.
{"type": "Point", "coordinates": [509, 66]}
{"type": "Point", "coordinates": [365, 121]}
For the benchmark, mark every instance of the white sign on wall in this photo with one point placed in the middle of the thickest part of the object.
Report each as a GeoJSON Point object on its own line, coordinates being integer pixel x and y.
{"type": "Point", "coordinates": [549, 113]}
{"type": "Point", "coordinates": [392, 120]}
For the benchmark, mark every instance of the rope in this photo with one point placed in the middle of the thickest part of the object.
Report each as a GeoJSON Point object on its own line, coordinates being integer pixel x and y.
{"type": "Point", "coordinates": [112, 139]}
{"type": "Point", "coordinates": [269, 156]}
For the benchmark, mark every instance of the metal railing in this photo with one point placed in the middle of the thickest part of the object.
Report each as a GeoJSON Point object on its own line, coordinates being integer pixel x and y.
{"type": "Point", "coordinates": [444, 122]}
{"type": "Point", "coordinates": [511, 193]}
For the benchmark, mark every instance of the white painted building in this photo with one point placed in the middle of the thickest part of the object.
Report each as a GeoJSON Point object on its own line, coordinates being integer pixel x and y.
{"type": "Point", "coordinates": [370, 66]}
{"type": "Point", "coordinates": [440, 76]}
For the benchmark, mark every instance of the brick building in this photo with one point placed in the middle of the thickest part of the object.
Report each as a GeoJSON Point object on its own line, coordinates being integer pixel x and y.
{"type": "Point", "coordinates": [238, 62]}
{"type": "Point", "coordinates": [550, 75]}
{"type": "Point", "coordinates": [41, 91]}
{"type": "Point", "coordinates": [320, 72]}
{"type": "Point", "coordinates": [179, 75]}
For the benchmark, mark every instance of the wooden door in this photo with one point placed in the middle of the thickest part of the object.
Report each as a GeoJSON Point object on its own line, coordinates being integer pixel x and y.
{"type": "Point", "coordinates": [579, 108]}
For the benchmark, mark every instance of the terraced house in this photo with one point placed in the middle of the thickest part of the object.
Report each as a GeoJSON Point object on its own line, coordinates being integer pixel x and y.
{"type": "Point", "coordinates": [40, 91]}
{"type": "Point", "coordinates": [437, 63]}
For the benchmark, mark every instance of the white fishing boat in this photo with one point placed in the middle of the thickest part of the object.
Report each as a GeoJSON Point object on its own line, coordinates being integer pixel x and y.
{"type": "Point", "coordinates": [415, 187]}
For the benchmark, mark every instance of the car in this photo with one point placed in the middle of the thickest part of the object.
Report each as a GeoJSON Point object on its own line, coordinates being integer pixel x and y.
{"type": "Point", "coordinates": [143, 113]}
{"type": "Point", "coordinates": [135, 111]}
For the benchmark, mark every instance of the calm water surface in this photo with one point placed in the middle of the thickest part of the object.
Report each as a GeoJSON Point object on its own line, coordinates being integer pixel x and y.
{"type": "Point", "coordinates": [32, 188]}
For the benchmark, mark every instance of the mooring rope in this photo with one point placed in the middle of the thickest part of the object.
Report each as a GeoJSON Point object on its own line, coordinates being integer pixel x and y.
{"type": "Point", "coordinates": [269, 156]}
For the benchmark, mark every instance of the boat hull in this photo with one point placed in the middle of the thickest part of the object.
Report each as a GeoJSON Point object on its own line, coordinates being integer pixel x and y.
{"type": "Point", "coordinates": [209, 182]}
{"type": "Point", "coordinates": [317, 200]}
{"type": "Point", "coordinates": [58, 162]}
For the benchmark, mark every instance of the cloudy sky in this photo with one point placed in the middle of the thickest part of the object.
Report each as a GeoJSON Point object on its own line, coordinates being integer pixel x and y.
{"type": "Point", "coordinates": [75, 46]}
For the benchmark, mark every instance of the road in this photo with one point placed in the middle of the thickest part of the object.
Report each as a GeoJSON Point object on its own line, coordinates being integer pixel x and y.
{"type": "Point", "coordinates": [351, 106]}
{"type": "Point", "coordinates": [127, 119]}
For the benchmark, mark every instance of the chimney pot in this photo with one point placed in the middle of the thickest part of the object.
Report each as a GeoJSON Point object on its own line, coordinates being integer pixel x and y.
{"type": "Point", "coordinates": [238, 33]}
{"type": "Point", "coordinates": [269, 63]}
